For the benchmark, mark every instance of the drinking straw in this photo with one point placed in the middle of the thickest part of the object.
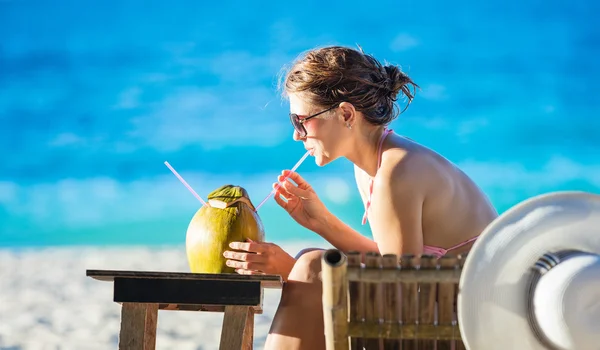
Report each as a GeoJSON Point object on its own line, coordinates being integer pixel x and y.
{"type": "Point", "coordinates": [279, 183]}
{"type": "Point", "coordinates": [185, 183]}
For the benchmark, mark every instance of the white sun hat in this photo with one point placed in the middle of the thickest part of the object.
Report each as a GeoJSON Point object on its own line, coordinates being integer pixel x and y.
{"type": "Point", "coordinates": [532, 279]}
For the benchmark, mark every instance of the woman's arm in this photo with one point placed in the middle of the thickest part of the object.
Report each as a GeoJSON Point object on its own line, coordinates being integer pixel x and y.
{"type": "Point", "coordinates": [395, 214]}
{"type": "Point", "coordinates": [343, 237]}
{"type": "Point", "coordinates": [396, 209]}
{"type": "Point", "coordinates": [303, 204]}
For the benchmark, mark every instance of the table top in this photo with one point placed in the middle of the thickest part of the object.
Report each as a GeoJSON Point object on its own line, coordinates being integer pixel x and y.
{"type": "Point", "coordinates": [267, 281]}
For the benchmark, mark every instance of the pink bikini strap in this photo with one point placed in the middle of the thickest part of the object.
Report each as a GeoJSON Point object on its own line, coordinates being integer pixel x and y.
{"type": "Point", "coordinates": [368, 204]}
{"type": "Point", "coordinates": [463, 243]}
{"type": "Point", "coordinates": [439, 252]}
{"type": "Point", "coordinates": [435, 251]}
{"type": "Point", "coordinates": [385, 133]}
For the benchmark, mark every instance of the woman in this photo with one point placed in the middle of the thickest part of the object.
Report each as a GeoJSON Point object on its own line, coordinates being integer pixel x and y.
{"type": "Point", "coordinates": [416, 201]}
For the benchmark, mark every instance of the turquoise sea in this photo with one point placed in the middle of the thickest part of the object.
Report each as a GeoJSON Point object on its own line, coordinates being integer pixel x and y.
{"type": "Point", "coordinates": [95, 96]}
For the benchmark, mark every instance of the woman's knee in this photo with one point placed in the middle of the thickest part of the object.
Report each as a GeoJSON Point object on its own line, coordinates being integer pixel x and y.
{"type": "Point", "coordinates": [308, 266]}
{"type": "Point", "coordinates": [306, 250]}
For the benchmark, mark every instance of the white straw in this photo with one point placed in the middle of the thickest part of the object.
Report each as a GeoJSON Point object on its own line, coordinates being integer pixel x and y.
{"type": "Point", "coordinates": [279, 183]}
{"type": "Point", "coordinates": [185, 183]}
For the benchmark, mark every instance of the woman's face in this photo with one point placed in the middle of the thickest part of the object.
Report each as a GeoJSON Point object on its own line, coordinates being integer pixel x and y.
{"type": "Point", "coordinates": [322, 132]}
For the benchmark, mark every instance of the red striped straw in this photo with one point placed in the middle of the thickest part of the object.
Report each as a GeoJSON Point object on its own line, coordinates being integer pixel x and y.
{"type": "Point", "coordinates": [185, 183]}
{"type": "Point", "coordinates": [279, 183]}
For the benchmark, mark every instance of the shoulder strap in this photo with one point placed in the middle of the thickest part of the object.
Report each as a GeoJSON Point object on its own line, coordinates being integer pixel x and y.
{"type": "Point", "coordinates": [368, 204]}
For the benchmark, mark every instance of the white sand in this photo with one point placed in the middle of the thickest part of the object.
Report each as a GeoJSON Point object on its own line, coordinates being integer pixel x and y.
{"type": "Point", "coordinates": [47, 302]}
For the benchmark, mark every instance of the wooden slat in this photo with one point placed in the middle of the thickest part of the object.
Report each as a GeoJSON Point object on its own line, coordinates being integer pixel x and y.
{"type": "Point", "coordinates": [266, 281]}
{"type": "Point", "coordinates": [202, 307]}
{"type": "Point", "coordinates": [335, 299]}
{"type": "Point", "coordinates": [159, 291]}
{"type": "Point", "coordinates": [427, 294]}
{"type": "Point", "coordinates": [356, 306]}
{"type": "Point", "coordinates": [391, 307]}
{"type": "Point", "coordinates": [373, 300]}
{"type": "Point", "coordinates": [237, 332]}
{"type": "Point", "coordinates": [406, 332]}
{"type": "Point", "coordinates": [138, 326]}
{"type": "Point", "coordinates": [410, 303]}
{"type": "Point", "coordinates": [446, 299]}
{"type": "Point", "coordinates": [411, 275]}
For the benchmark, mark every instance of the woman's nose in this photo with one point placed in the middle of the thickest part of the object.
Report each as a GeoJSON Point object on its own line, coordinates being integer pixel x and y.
{"type": "Point", "coordinates": [296, 135]}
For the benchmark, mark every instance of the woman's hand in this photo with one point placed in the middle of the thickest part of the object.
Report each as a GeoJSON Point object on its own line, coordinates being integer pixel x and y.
{"type": "Point", "coordinates": [252, 258]}
{"type": "Point", "coordinates": [301, 201]}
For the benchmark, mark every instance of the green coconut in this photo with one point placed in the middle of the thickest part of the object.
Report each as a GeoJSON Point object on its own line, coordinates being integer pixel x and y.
{"type": "Point", "coordinates": [229, 216]}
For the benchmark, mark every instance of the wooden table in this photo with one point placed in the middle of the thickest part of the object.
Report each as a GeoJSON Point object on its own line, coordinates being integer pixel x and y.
{"type": "Point", "coordinates": [142, 293]}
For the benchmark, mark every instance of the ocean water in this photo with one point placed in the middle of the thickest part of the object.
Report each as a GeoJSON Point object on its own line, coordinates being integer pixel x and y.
{"type": "Point", "coordinates": [94, 97]}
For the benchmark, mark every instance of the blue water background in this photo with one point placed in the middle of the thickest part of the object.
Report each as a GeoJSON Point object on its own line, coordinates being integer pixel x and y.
{"type": "Point", "coordinates": [95, 96]}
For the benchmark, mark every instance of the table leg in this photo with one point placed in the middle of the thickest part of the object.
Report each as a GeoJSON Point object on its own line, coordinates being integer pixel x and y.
{"type": "Point", "coordinates": [138, 326]}
{"type": "Point", "coordinates": [238, 328]}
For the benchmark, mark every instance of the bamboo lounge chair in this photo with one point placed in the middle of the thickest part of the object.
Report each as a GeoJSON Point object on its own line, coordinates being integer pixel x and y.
{"type": "Point", "coordinates": [390, 303]}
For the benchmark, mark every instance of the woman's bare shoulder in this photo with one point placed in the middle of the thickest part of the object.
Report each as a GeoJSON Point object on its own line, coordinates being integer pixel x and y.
{"type": "Point", "coordinates": [414, 165]}
{"type": "Point", "coordinates": [400, 170]}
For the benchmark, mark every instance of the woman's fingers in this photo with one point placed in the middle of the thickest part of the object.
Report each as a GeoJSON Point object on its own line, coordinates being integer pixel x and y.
{"type": "Point", "coordinates": [295, 190]}
{"type": "Point", "coordinates": [282, 191]}
{"type": "Point", "coordinates": [245, 265]}
{"type": "Point", "coordinates": [280, 201]}
{"type": "Point", "coordinates": [253, 247]}
{"type": "Point", "coordinates": [301, 189]}
{"type": "Point", "coordinates": [249, 272]}
{"type": "Point", "coordinates": [296, 178]}
{"type": "Point", "coordinates": [246, 260]}
{"type": "Point", "coordinates": [252, 257]}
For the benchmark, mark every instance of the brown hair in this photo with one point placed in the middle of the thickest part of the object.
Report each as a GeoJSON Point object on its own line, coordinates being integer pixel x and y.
{"type": "Point", "coordinates": [335, 74]}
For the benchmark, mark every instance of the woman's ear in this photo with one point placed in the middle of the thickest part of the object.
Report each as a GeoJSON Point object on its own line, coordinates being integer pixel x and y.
{"type": "Point", "coordinates": [348, 113]}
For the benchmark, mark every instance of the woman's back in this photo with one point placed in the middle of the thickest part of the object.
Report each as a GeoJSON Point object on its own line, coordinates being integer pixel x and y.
{"type": "Point", "coordinates": [454, 208]}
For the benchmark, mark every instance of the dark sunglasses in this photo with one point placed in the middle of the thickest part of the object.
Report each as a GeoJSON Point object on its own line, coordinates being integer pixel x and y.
{"type": "Point", "coordinates": [298, 120]}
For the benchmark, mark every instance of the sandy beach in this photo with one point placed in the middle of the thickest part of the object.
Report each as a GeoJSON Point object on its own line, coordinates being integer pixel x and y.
{"type": "Point", "coordinates": [47, 302]}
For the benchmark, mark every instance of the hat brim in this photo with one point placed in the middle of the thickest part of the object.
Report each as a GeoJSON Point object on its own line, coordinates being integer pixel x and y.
{"type": "Point", "coordinates": [492, 298]}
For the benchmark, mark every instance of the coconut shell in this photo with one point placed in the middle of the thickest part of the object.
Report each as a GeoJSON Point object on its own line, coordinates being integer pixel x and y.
{"type": "Point", "coordinates": [229, 216]}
